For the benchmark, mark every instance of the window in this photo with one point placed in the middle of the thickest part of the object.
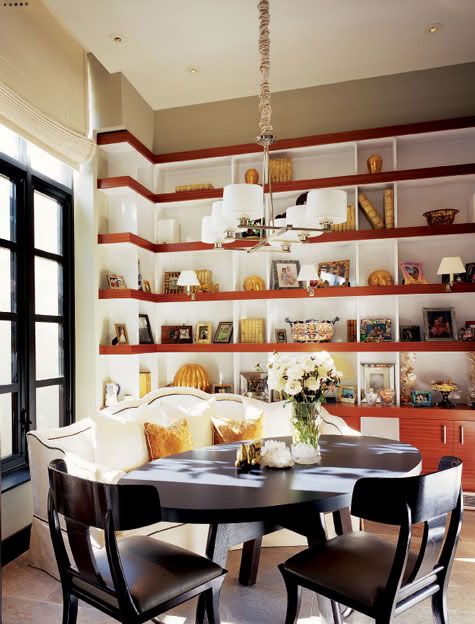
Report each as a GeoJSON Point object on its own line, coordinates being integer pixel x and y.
{"type": "Point", "coordinates": [36, 295]}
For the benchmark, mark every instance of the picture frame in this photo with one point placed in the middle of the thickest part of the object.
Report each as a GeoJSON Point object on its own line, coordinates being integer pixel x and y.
{"type": "Point", "coordinates": [122, 337]}
{"type": "Point", "coordinates": [222, 388]}
{"type": "Point", "coordinates": [280, 335]}
{"type": "Point", "coordinates": [470, 272]}
{"type": "Point", "coordinates": [254, 385]}
{"type": "Point", "coordinates": [334, 273]}
{"type": "Point", "coordinates": [439, 324]}
{"type": "Point", "coordinates": [412, 272]}
{"type": "Point", "coordinates": [347, 394]}
{"type": "Point", "coordinates": [170, 283]}
{"type": "Point", "coordinates": [375, 330]}
{"type": "Point", "coordinates": [409, 333]}
{"type": "Point", "coordinates": [377, 376]}
{"type": "Point", "coordinates": [223, 333]}
{"type": "Point", "coordinates": [421, 398]}
{"type": "Point", "coordinates": [146, 286]}
{"type": "Point", "coordinates": [145, 330]}
{"type": "Point", "coordinates": [203, 333]}
{"type": "Point", "coordinates": [115, 281]}
{"type": "Point", "coordinates": [177, 334]}
{"type": "Point", "coordinates": [111, 393]}
{"type": "Point", "coordinates": [285, 273]}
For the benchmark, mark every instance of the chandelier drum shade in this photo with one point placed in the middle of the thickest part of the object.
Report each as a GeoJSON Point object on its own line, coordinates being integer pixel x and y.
{"type": "Point", "coordinates": [244, 201]}
{"type": "Point", "coordinates": [326, 207]}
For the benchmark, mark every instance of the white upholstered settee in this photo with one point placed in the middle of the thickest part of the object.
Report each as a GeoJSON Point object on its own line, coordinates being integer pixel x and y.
{"type": "Point", "coordinates": [109, 444]}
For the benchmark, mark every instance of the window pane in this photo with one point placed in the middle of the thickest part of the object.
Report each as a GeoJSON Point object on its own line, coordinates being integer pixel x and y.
{"type": "Point", "coordinates": [48, 287]}
{"type": "Point", "coordinates": [49, 350]}
{"type": "Point", "coordinates": [47, 407]}
{"type": "Point", "coordinates": [9, 143]}
{"type": "Point", "coordinates": [8, 403]}
{"type": "Point", "coordinates": [49, 166]}
{"type": "Point", "coordinates": [7, 209]}
{"type": "Point", "coordinates": [47, 223]}
{"type": "Point", "coordinates": [7, 280]}
{"type": "Point", "coordinates": [8, 353]}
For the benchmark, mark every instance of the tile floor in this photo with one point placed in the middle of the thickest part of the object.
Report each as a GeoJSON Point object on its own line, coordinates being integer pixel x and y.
{"type": "Point", "coordinates": [31, 596]}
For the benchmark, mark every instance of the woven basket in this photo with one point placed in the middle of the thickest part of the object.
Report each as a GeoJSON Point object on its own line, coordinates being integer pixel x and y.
{"type": "Point", "coordinates": [252, 330]}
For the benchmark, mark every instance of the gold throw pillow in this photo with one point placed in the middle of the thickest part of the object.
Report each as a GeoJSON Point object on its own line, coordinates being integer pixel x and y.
{"type": "Point", "coordinates": [164, 441]}
{"type": "Point", "coordinates": [226, 430]}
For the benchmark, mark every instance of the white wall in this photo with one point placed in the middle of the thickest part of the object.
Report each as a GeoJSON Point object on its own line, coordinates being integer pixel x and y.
{"type": "Point", "coordinates": [17, 509]}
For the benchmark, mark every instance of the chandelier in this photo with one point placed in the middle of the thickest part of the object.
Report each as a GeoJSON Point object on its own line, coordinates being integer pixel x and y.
{"type": "Point", "coordinates": [248, 206]}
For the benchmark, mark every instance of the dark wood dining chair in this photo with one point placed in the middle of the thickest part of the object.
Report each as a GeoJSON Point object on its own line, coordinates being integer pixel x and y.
{"type": "Point", "coordinates": [378, 578]}
{"type": "Point", "coordinates": [134, 579]}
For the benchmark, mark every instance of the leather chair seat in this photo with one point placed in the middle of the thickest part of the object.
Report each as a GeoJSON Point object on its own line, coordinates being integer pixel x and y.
{"type": "Point", "coordinates": [355, 565]}
{"type": "Point", "coordinates": [157, 571]}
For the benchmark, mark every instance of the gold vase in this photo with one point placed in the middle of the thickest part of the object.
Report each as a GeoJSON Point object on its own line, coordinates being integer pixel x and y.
{"type": "Point", "coordinates": [375, 163]}
{"type": "Point", "coordinates": [251, 176]}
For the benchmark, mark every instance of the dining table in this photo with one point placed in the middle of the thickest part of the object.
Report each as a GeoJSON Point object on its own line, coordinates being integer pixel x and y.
{"type": "Point", "coordinates": [203, 486]}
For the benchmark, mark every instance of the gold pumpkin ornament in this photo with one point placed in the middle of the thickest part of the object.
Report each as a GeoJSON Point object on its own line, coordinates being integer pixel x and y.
{"type": "Point", "coordinates": [254, 282]}
{"type": "Point", "coordinates": [380, 277]}
{"type": "Point", "coordinates": [192, 376]}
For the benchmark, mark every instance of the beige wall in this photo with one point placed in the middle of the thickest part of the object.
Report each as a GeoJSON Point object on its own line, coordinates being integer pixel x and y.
{"type": "Point", "coordinates": [401, 98]}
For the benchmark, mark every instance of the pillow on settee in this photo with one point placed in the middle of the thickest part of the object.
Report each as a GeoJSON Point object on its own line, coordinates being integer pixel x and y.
{"type": "Point", "coordinates": [79, 467]}
{"type": "Point", "coordinates": [245, 424]}
{"type": "Point", "coordinates": [167, 440]}
{"type": "Point", "coordinates": [119, 442]}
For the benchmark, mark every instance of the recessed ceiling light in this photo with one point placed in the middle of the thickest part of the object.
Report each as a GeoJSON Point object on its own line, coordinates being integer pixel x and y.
{"type": "Point", "coordinates": [116, 38]}
{"type": "Point", "coordinates": [433, 28]}
{"type": "Point", "coordinates": [192, 69]}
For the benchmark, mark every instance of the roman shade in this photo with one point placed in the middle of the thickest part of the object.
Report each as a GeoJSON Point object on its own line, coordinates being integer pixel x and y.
{"type": "Point", "coordinates": [43, 83]}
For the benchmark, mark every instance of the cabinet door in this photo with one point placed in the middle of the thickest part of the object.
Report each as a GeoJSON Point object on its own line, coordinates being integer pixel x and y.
{"type": "Point", "coordinates": [433, 438]}
{"type": "Point", "coordinates": [464, 447]}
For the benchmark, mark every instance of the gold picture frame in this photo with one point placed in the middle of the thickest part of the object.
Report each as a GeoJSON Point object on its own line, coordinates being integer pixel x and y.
{"type": "Point", "coordinates": [203, 333]}
{"type": "Point", "coordinates": [121, 333]}
{"type": "Point", "coordinates": [170, 285]}
{"type": "Point", "coordinates": [347, 394]}
{"type": "Point", "coordinates": [334, 273]}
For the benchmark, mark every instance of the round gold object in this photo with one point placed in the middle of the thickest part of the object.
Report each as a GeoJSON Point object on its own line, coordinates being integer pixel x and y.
{"type": "Point", "coordinates": [375, 163]}
{"type": "Point", "coordinates": [192, 376]}
{"type": "Point", "coordinates": [254, 282]}
{"type": "Point", "coordinates": [380, 277]}
{"type": "Point", "coordinates": [251, 176]}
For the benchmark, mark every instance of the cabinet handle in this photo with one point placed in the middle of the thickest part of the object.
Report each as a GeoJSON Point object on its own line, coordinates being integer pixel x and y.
{"type": "Point", "coordinates": [444, 434]}
{"type": "Point", "coordinates": [462, 435]}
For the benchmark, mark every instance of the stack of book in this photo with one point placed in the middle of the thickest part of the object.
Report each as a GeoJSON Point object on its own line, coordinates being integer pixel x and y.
{"type": "Point", "coordinates": [370, 212]}
{"type": "Point", "coordinates": [350, 223]}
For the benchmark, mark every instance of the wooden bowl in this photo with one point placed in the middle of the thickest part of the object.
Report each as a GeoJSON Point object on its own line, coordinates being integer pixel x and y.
{"type": "Point", "coordinates": [443, 216]}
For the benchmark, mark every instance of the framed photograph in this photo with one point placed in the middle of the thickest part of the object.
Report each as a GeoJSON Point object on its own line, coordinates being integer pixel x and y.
{"type": "Point", "coordinates": [280, 335]}
{"type": "Point", "coordinates": [121, 333]}
{"type": "Point", "coordinates": [375, 330]}
{"type": "Point", "coordinates": [177, 334]}
{"type": "Point", "coordinates": [467, 333]}
{"type": "Point", "coordinates": [284, 274]}
{"type": "Point", "coordinates": [439, 324]}
{"type": "Point", "coordinates": [412, 273]}
{"type": "Point", "coordinates": [254, 385]}
{"type": "Point", "coordinates": [223, 333]}
{"type": "Point", "coordinates": [334, 273]}
{"type": "Point", "coordinates": [146, 286]}
{"type": "Point", "coordinates": [170, 283]}
{"type": "Point", "coordinates": [111, 393]}
{"type": "Point", "coordinates": [223, 388]}
{"type": "Point", "coordinates": [203, 333]}
{"type": "Point", "coordinates": [409, 333]}
{"type": "Point", "coordinates": [470, 272]}
{"type": "Point", "coordinates": [115, 281]}
{"type": "Point", "coordinates": [145, 330]}
{"type": "Point", "coordinates": [421, 398]}
{"type": "Point", "coordinates": [376, 377]}
{"type": "Point", "coordinates": [347, 394]}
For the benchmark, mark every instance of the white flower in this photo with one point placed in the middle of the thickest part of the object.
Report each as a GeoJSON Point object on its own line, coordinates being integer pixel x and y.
{"type": "Point", "coordinates": [293, 387]}
{"type": "Point", "coordinates": [312, 383]}
{"type": "Point", "coordinates": [295, 372]}
{"type": "Point", "coordinates": [308, 365]}
{"type": "Point", "coordinates": [276, 381]}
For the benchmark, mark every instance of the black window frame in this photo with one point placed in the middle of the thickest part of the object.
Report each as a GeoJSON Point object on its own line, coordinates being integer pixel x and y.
{"type": "Point", "coordinates": [27, 181]}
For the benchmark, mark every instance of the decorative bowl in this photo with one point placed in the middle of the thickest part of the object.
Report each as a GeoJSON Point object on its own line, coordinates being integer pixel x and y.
{"type": "Point", "coordinates": [442, 216]}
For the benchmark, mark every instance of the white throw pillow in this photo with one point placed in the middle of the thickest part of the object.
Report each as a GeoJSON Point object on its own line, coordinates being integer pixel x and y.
{"type": "Point", "coordinates": [79, 467]}
{"type": "Point", "coordinates": [119, 443]}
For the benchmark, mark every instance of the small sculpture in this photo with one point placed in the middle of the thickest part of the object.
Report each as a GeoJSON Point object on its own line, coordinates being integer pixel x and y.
{"type": "Point", "coordinates": [251, 176]}
{"type": "Point", "coordinates": [254, 282]}
{"type": "Point", "coordinates": [375, 163]}
{"type": "Point", "coordinates": [380, 277]}
{"type": "Point", "coordinates": [192, 376]}
{"type": "Point", "coordinates": [248, 457]}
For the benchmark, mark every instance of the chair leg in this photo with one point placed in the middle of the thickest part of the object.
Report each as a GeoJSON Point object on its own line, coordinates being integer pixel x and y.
{"type": "Point", "coordinates": [294, 595]}
{"type": "Point", "coordinates": [211, 597]}
{"type": "Point", "coordinates": [70, 608]}
{"type": "Point", "coordinates": [439, 607]}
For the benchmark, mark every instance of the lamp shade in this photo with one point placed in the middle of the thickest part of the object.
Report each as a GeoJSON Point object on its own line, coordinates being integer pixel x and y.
{"type": "Point", "coordinates": [222, 217]}
{"type": "Point", "coordinates": [307, 273]}
{"type": "Point", "coordinates": [450, 265]}
{"type": "Point", "coordinates": [244, 201]}
{"type": "Point", "coordinates": [326, 206]}
{"type": "Point", "coordinates": [188, 278]}
{"type": "Point", "coordinates": [209, 232]}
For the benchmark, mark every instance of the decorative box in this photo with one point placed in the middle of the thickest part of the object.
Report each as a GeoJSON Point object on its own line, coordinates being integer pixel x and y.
{"type": "Point", "coordinates": [252, 330]}
{"type": "Point", "coordinates": [145, 379]}
{"type": "Point", "coordinates": [312, 330]}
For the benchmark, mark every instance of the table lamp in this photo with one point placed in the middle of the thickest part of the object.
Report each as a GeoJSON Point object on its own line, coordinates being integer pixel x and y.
{"type": "Point", "coordinates": [188, 279]}
{"type": "Point", "coordinates": [307, 274]}
{"type": "Point", "coordinates": [450, 265]}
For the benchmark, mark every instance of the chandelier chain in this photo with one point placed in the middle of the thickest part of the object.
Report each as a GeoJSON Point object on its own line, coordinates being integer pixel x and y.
{"type": "Point", "coordinates": [265, 109]}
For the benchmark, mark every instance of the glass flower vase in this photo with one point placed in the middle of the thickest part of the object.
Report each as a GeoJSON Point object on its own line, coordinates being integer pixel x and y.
{"type": "Point", "coordinates": [305, 432]}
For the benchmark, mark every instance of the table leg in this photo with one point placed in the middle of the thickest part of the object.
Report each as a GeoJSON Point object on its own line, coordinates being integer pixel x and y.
{"type": "Point", "coordinates": [217, 547]}
{"type": "Point", "coordinates": [251, 553]}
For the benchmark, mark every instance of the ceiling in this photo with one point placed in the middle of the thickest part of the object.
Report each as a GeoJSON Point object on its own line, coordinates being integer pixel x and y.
{"type": "Point", "coordinates": [313, 42]}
